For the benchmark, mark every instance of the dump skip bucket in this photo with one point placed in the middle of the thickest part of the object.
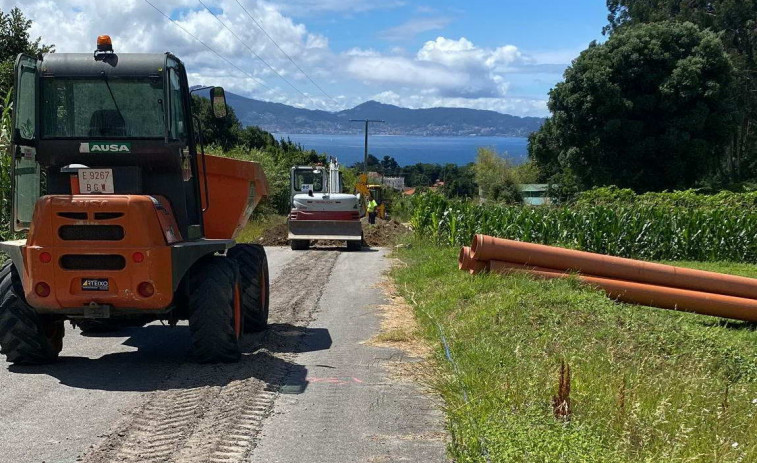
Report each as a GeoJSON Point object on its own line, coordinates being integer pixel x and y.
{"type": "Point", "coordinates": [235, 188]}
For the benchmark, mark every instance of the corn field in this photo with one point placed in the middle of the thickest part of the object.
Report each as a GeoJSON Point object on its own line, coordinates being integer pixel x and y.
{"type": "Point", "coordinates": [642, 229]}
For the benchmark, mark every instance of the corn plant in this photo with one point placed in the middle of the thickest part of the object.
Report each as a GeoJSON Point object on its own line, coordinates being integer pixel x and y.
{"type": "Point", "coordinates": [663, 226]}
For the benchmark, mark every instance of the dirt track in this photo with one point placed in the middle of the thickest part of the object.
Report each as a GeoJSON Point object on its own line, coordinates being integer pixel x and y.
{"type": "Point", "coordinates": [383, 234]}
{"type": "Point", "coordinates": [152, 405]}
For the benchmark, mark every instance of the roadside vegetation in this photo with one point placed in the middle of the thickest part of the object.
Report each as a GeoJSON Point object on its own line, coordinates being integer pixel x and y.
{"type": "Point", "coordinates": [659, 226]}
{"type": "Point", "coordinates": [666, 102]}
{"type": "Point", "coordinates": [649, 153]}
{"type": "Point", "coordinates": [638, 384]}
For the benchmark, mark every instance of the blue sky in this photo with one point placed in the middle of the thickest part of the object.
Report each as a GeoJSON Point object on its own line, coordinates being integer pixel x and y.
{"type": "Point", "coordinates": [544, 25]}
{"type": "Point", "coordinates": [499, 55]}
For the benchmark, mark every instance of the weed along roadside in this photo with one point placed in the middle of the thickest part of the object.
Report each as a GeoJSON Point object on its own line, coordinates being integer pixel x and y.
{"type": "Point", "coordinates": [551, 370]}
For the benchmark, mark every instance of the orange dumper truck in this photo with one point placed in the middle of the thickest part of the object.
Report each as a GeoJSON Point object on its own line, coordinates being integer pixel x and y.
{"type": "Point", "coordinates": [127, 220]}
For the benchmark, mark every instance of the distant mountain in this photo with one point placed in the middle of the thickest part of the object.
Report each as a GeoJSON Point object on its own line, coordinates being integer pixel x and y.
{"type": "Point", "coordinates": [280, 118]}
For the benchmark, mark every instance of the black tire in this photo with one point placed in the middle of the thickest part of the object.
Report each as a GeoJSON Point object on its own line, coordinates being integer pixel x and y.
{"type": "Point", "coordinates": [354, 245]}
{"type": "Point", "coordinates": [253, 284]}
{"type": "Point", "coordinates": [299, 245]}
{"type": "Point", "coordinates": [211, 310]}
{"type": "Point", "coordinates": [25, 337]}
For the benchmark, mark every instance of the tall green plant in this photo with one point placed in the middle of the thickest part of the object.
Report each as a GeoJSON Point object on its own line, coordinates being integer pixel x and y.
{"type": "Point", "coordinates": [655, 228]}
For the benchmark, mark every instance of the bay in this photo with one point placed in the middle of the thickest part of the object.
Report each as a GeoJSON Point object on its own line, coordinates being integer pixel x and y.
{"type": "Point", "coordinates": [408, 150]}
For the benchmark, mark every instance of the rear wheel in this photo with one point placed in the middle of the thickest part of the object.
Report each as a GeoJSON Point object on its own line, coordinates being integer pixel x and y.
{"type": "Point", "coordinates": [354, 245]}
{"type": "Point", "coordinates": [25, 337]}
{"type": "Point", "coordinates": [253, 284]}
{"type": "Point", "coordinates": [299, 245]}
{"type": "Point", "coordinates": [215, 315]}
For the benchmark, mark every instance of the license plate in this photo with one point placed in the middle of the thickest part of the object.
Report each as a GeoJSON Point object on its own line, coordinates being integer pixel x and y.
{"type": "Point", "coordinates": [96, 181]}
{"type": "Point", "coordinates": [95, 284]}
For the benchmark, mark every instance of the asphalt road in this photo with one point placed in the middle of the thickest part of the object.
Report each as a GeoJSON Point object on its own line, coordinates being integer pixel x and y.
{"type": "Point", "coordinates": [307, 389]}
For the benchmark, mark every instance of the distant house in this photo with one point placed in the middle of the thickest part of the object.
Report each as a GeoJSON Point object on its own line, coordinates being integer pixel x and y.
{"type": "Point", "coordinates": [535, 194]}
{"type": "Point", "coordinates": [408, 191]}
{"type": "Point", "coordinates": [395, 183]}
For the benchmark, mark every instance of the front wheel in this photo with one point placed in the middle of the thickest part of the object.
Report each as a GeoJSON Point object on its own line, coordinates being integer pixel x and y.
{"type": "Point", "coordinates": [299, 245]}
{"type": "Point", "coordinates": [25, 337]}
{"type": "Point", "coordinates": [215, 313]}
{"type": "Point", "coordinates": [253, 283]}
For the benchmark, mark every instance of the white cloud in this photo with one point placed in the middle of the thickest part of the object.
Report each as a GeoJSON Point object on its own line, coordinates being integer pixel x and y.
{"type": "Point", "coordinates": [462, 53]}
{"type": "Point", "coordinates": [136, 27]}
{"type": "Point", "coordinates": [517, 106]}
{"type": "Point", "coordinates": [443, 67]}
{"type": "Point", "coordinates": [413, 27]}
{"type": "Point", "coordinates": [443, 72]}
{"type": "Point", "coordinates": [403, 71]}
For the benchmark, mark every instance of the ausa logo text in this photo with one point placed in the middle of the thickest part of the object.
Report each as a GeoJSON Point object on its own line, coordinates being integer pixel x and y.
{"type": "Point", "coordinates": [105, 147]}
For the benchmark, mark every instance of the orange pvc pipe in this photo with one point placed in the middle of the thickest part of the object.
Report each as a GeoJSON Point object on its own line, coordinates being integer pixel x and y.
{"type": "Point", "coordinates": [490, 248]}
{"type": "Point", "coordinates": [466, 262]}
{"type": "Point", "coordinates": [703, 303]}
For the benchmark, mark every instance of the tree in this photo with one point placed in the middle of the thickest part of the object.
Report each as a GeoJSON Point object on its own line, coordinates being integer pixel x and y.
{"type": "Point", "coordinates": [389, 166]}
{"type": "Point", "coordinates": [494, 176]}
{"type": "Point", "coordinates": [224, 132]}
{"type": "Point", "coordinates": [735, 22]}
{"type": "Point", "coordinates": [459, 181]}
{"type": "Point", "coordinates": [14, 39]}
{"type": "Point", "coordinates": [253, 137]}
{"type": "Point", "coordinates": [650, 109]}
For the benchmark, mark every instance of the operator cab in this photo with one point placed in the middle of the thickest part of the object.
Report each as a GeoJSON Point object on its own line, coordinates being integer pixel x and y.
{"type": "Point", "coordinates": [308, 180]}
{"type": "Point", "coordinates": [107, 124]}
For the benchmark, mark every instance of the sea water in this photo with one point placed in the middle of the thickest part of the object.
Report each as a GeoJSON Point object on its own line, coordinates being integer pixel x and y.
{"type": "Point", "coordinates": [408, 150]}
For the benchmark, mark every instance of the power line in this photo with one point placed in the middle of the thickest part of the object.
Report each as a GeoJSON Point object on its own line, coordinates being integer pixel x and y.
{"type": "Point", "coordinates": [255, 54]}
{"type": "Point", "coordinates": [208, 47]}
{"type": "Point", "coordinates": [285, 53]}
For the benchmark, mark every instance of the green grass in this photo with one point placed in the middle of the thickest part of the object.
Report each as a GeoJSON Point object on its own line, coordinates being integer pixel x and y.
{"type": "Point", "coordinates": [733, 268]}
{"type": "Point", "coordinates": [648, 385]}
{"type": "Point", "coordinates": [257, 225]}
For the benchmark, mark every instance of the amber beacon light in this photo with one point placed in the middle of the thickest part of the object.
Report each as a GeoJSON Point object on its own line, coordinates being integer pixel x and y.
{"type": "Point", "coordinates": [104, 43]}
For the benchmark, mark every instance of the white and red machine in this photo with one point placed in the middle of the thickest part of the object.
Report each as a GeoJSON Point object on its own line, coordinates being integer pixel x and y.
{"type": "Point", "coordinates": [320, 211]}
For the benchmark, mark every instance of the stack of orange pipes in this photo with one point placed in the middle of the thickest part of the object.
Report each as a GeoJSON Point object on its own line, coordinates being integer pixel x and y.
{"type": "Point", "coordinates": [625, 280]}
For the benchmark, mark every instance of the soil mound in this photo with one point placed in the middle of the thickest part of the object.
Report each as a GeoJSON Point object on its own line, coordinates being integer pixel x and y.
{"type": "Point", "coordinates": [274, 236]}
{"type": "Point", "coordinates": [383, 233]}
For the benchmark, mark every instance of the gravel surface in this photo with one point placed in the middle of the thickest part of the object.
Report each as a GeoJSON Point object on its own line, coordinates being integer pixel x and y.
{"type": "Point", "coordinates": [133, 396]}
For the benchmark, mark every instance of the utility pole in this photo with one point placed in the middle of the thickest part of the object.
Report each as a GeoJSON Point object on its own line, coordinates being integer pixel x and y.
{"type": "Point", "coordinates": [365, 155]}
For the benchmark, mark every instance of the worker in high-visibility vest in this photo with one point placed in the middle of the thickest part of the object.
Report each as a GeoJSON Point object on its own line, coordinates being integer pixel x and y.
{"type": "Point", "coordinates": [371, 207]}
